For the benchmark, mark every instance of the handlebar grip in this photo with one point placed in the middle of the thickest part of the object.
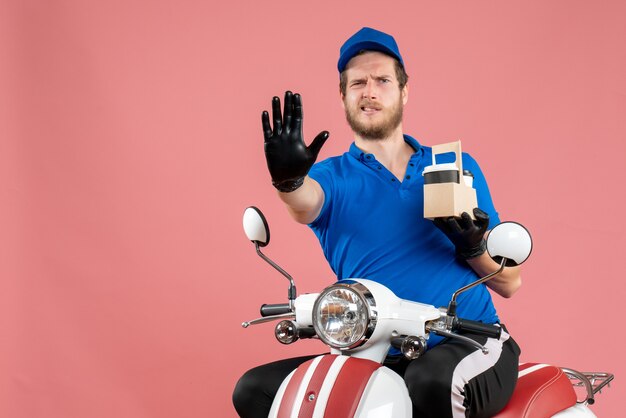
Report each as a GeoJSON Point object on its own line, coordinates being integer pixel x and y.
{"type": "Point", "coordinates": [475, 327]}
{"type": "Point", "coordinates": [269, 309]}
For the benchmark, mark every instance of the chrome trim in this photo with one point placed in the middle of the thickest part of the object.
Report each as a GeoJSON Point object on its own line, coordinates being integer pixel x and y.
{"type": "Point", "coordinates": [479, 281]}
{"type": "Point", "coordinates": [366, 297]}
{"type": "Point", "coordinates": [445, 333]}
{"type": "Point", "coordinates": [289, 328]}
{"type": "Point", "coordinates": [592, 381]}
{"type": "Point", "coordinates": [292, 285]}
{"type": "Point", "coordinates": [413, 347]}
{"type": "Point", "coordinates": [288, 315]}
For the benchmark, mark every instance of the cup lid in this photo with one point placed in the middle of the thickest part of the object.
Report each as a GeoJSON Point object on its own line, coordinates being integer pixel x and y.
{"type": "Point", "coordinates": [440, 167]}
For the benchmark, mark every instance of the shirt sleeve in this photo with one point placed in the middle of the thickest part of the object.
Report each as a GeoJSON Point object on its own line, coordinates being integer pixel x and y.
{"type": "Point", "coordinates": [482, 190]}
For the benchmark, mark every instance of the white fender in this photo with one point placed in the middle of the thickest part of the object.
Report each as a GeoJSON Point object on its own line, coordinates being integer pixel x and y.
{"type": "Point", "coordinates": [385, 396]}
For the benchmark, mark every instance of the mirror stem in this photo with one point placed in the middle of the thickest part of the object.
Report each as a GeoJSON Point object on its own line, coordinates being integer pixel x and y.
{"type": "Point", "coordinates": [452, 305]}
{"type": "Point", "coordinates": [292, 286]}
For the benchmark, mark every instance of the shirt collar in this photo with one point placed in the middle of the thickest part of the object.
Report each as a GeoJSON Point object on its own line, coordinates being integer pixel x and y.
{"type": "Point", "coordinates": [357, 153]}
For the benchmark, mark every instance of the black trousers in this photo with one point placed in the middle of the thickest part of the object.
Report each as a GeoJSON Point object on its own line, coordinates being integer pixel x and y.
{"type": "Point", "coordinates": [452, 379]}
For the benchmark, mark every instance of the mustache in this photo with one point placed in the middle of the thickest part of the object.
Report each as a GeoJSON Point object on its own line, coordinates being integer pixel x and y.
{"type": "Point", "coordinates": [371, 104]}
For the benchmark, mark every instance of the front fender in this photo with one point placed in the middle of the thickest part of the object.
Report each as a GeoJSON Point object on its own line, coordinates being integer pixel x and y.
{"type": "Point", "coordinates": [341, 386]}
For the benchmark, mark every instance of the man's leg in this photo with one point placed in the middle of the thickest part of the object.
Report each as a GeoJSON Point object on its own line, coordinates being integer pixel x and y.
{"type": "Point", "coordinates": [456, 380]}
{"type": "Point", "coordinates": [256, 389]}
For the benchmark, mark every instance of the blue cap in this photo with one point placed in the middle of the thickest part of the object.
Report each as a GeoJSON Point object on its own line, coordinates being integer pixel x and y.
{"type": "Point", "coordinates": [368, 39]}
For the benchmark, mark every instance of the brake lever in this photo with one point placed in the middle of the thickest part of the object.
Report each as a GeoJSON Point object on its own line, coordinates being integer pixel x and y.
{"type": "Point", "coordinates": [289, 315]}
{"type": "Point", "coordinates": [463, 338]}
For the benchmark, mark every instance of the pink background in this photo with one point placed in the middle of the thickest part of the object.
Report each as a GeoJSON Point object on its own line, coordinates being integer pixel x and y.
{"type": "Point", "coordinates": [131, 143]}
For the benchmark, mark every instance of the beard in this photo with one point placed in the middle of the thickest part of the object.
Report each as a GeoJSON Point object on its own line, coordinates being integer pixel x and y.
{"type": "Point", "coordinates": [375, 131]}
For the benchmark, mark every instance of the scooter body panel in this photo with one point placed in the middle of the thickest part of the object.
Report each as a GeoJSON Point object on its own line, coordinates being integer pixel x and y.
{"type": "Point", "coordinates": [385, 396]}
{"type": "Point", "coordinates": [577, 411]}
{"type": "Point", "coordinates": [332, 386]}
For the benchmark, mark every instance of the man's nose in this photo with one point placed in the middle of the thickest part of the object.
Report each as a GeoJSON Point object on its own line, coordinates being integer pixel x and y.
{"type": "Point", "coordinates": [370, 91]}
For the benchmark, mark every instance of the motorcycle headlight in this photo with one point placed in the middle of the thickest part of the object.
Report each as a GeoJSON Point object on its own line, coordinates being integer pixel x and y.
{"type": "Point", "coordinates": [344, 315]}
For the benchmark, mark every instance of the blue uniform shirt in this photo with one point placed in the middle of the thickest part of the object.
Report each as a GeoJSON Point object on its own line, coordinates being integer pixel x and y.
{"type": "Point", "coordinates": [372, 226]}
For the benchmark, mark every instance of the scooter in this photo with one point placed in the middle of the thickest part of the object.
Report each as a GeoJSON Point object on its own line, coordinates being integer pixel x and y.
{"type": "Point", "coordinates": [360, 320]}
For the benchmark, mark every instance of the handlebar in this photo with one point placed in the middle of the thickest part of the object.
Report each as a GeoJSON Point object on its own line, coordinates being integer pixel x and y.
{"type": "Point", "coordinates": [269, 309]}
{"type": "Point", "coordinates": [475, 327]}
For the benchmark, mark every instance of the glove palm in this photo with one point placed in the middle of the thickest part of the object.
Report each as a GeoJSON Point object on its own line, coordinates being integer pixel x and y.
{"type": "Point", "coordinates": [288, 158]}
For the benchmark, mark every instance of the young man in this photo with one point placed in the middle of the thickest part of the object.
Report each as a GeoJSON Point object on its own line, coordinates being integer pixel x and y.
{"type": "Point", "coordinates": [366, 208]}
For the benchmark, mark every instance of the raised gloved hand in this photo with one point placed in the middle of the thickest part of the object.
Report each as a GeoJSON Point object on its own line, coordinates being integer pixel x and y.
{"type": "Point", "coordinates": [466, 234]}
{"type": "Point", "coordinates": [288, 158]}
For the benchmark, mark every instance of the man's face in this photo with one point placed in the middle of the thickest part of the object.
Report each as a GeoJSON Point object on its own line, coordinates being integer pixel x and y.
{"type": "Point", "coordinates": [373, 100]}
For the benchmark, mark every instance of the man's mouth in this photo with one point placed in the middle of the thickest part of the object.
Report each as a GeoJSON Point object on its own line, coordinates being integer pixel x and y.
{"type": "Point", "coordinates": [370, 110]}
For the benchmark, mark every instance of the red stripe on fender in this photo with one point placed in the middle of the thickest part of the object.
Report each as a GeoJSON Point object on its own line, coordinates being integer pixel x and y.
{"type": "Point", "coordinates": [320, 373]}
{"type": "Point", "coordinates": [289, 397]}
{"type": "Point", "coordinates": [349, 386]}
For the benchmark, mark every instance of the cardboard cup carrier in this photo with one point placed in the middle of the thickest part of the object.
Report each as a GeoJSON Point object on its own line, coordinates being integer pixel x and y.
{"type": "Point", "coordinates": [448, 189]}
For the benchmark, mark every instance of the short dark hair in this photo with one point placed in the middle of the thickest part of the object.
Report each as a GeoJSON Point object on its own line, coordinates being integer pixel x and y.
{"type": "Point", "coordinates": [401, 74]}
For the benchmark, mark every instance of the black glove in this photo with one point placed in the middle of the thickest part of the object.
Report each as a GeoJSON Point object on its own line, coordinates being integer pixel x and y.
{"type": "Point", "coordinates": [466, 234]}
{"type": "Point", "coordinates": [288, 158]}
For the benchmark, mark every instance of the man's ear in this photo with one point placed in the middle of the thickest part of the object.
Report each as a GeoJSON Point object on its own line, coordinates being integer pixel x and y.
{"type": "Point", "coordinates": [342, 97]}
{"type": "Point", "coordinates": [405, 93]}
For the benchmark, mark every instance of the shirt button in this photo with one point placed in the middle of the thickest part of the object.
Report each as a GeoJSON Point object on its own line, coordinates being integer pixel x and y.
{"type": "Point", "coordinates": [408, 177]}
{"type": "Point", "coordinates": [380, 167]}
{"type": "Point", "coordinates": [412, 165]}
{"type": "Point", "coordinates": [393, 179]}
{"type": "Point", "coordinates": [369, 157]}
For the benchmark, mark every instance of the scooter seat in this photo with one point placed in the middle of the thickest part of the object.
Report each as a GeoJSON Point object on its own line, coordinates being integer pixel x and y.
{"type": "Point", "coordinates": [542, 391]}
